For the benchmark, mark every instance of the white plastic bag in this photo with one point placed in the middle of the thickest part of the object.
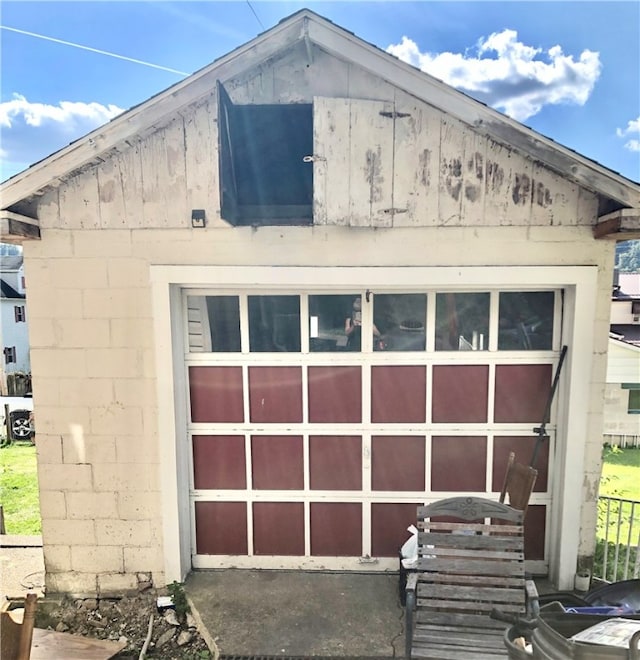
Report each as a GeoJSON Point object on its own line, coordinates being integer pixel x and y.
{"type": "Point", "coordinates": [409, 550]}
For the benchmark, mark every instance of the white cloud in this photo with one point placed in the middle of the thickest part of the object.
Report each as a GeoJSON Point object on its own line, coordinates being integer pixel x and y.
{"type": "Point", "coordinates": [632, 128]}
{"type": "Point", "coordinates": [67, 113]}
{"type": "Point", "coordinates": [519, 79]}
{"type": "Point", "coordinates": [32, 131]}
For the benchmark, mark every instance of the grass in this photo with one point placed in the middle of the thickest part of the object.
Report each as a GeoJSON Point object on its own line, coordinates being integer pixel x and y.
{"type": "Point", "coordinates": [19, 489]}
{"type": "Point", "coordinates": [620, 472]}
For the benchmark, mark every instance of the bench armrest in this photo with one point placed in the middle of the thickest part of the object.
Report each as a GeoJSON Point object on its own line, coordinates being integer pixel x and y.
{"type": "Point", "coordinates": [410, 589]}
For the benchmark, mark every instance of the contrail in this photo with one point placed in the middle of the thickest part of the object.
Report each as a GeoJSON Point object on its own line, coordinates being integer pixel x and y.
{"type": "Point", "coordinates": [93, 50]}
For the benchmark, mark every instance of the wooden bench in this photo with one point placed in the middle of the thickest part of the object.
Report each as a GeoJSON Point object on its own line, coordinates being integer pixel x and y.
{"type": "Point", "coordinates": [470, 561]}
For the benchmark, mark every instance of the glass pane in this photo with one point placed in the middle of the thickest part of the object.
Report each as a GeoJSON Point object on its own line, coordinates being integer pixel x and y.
{"type": "Point", "coordinates": [334, 323]}
{"type": "Point", "coordinates": [400, 321]}
{"type": "Point", "coordinates": [526, 321]}
{"type": "Point", "coordinates": [214, 324]}
{"type": "Point", "coordinates": [462, 322]}
{"type": "Point", "coordinates": [274, 324]}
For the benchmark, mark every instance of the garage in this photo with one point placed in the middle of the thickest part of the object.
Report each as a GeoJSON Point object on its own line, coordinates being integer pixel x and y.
{"type": "Point", "coordinates": [319, 420]}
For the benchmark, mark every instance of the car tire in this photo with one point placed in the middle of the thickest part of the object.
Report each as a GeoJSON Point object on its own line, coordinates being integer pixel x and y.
{"type": "Point", "coordinates": [20, 425]}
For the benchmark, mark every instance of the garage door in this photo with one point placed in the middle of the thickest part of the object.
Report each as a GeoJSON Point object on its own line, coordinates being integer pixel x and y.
{"type": "Point", "coordinates": [320, 420]}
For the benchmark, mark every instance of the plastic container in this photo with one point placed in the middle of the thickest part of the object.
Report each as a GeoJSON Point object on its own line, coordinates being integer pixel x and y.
{"type": "Point", "coordinates": [551, 639]}
{"type": "Point", "coordinates": [610, 611]}
{"type": "Point", "coordinates": [515, 652]}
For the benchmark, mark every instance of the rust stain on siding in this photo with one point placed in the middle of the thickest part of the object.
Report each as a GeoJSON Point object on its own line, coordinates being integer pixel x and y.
{"type": "Point", "coordinates": [107, 191]}
{"type": "Point", "coordinates": [373, 174]}
{"type": "Point", "coordinates": [521, 189]}
{"type": "Point", "coordinates": [541, 195]}
{"type": "Point", "coordinates": [495, 177]}
{"type": "Point", "coordinates": [425, 162]}
{"type": "Point", "coordinates": [452, 171]}
{"type": "Point", "coordinates": [475, 167]}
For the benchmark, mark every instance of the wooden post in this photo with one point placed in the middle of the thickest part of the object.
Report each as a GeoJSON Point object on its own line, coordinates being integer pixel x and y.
{"type": "Point", "coordinates": [2, 528]}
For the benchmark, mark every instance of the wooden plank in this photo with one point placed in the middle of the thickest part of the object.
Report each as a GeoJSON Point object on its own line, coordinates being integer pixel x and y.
{"type": "Point", "coordinates": [331, 150]}
{"type": "Point", "coordinates": [451, 174]}
{"type": "Point", "coordinates": [50, 645]}
{"type": "Point", "coordinates": [621, 225]}
{"type": "Point", "coordinates": [496, 183]}
{"type": "Point", "coordinates": [459, 592]}
{"type": "Point", "coordinates": [482, 621]}
{"type": "Point", "coordinates": [201, 160]}
{"type": "Point", "coordinates": [471, 638]}
{"type": "Point", "coordinates": [429, 605]}
{"type": "Point", "coordinates": [473, 178]}
{"type": "Point", "coordinates": [370, 164]}
{"type": "Point", "coordinates": [416, 163]}
{"type": "Point", "coordinates": [442, 578]}
{"type": "Point", "coordinates": [458, 551]}
{"type": "Point", "coordinates": [79, 202]}
{"type": "Point", "coordinates": [14, 231]}
{"type": "Point", "coordinates": [480, 528]}
{"type": "Point", "coordinates": [475, 541]}
{"type": "Point", "coordinates": [462, 567]}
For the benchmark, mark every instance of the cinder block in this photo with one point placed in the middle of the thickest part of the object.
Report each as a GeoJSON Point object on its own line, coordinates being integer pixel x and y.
{"type": "Point", "coordinates": [66, 273]}
{"type": "Point", "coordinates": [115, 584]}
{"type": "Point", "coordinates": [144, 451]}
{"type": "Point", "coordinates": [52, 504]}
{"type": "Point", "coordinates": [124, 272]}
{"type": "Point", "coordinates": [62, 419]}
{"type": "Point", "coordinates": [42, 333]}
{"type": "Point", "coordinates": [132, 333]}
{"type": "Point", "coordinates": [66, 363]}
{"type": "Point", "coordinates": [114, 242]}
{"type": "Point", "coordinates": [135, 392]}
{"type": "Point", "coordinates": [51, 303]}
{"type": "Point", "coordinates": [140, 506]}
{"type": "Point", "coordinates": [86, 391]}
{"type": "Point", "coordinates": [116, 419]}
{"type": "Point", "coordinates": [79, 585]}
{"type": "Point", "coordinates": [57, 558]}
{"type": "Point", "coordinates": [68, 532]}
{"type": "Point", "coordinates": [91, 506]}
{"type": "Point", "coordinates": [49, 452]}
{"type": "Point", "coordinates": [124, 478]}
{"type": "Point", "coordinates": [79, 448]}
{"type": "Point", "coordinates": [143, 560]}
{"type": "Point", "coordinates": [114, 362]}
{"type": "Point", "coordinates": [125, 303]}
{"type": "Point", "coordinates": [123, 532]}
{"type": "Point", "coordinates": [97, 559]}
{"type": "Point", "coordinates": [65, 477]}
{"type": "Point", "coordinates": [83, 333]}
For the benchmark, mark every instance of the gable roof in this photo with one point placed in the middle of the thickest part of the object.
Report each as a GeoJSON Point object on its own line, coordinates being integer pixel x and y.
{"type": "Point", "coordinates": [309, 28]}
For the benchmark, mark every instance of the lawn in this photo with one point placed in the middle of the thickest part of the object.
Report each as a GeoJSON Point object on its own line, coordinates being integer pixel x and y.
{"type": "Point", "coordinates": [620, 473]}
{"type": "Point", "coordinates": [19, 489]}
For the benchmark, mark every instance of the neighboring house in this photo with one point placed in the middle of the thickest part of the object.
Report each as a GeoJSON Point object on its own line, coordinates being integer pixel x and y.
{"type": "Point", "coordinates": [194, 266]}
{"type": "Point", "coordinates": [14, 332]}
{"type": "Point", "coordinates": [622, 394]}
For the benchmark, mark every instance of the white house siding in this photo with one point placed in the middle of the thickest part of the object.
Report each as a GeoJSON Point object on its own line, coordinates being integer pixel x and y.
{"type": "Point", "coordinates": [94, 346]}
{"type": "Point", "coordinates": [623, 366]}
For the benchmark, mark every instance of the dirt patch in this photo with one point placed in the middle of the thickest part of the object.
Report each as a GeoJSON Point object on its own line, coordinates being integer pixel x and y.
{"type": "Point", "coordinates": [126, 619]}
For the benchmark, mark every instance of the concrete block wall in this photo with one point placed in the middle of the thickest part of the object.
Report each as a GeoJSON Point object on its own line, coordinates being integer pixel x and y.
{"type": "Point", "coordinates": [92, 348]}
{"type": "Point", "coordinates": [94, 375]}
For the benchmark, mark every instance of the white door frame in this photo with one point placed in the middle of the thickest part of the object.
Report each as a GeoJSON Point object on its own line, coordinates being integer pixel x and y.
{"type": "Point", "coordinates": [578, 282]}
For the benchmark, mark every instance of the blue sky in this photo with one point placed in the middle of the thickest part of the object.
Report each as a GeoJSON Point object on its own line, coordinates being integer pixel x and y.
{"type": "Point", "coordinates": [570, 70]}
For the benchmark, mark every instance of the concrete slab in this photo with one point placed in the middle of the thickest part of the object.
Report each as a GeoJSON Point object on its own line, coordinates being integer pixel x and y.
{"type": "Point", "coordinates": [296, 613]}
{"type": "Point", "coordinates": [21, 566]}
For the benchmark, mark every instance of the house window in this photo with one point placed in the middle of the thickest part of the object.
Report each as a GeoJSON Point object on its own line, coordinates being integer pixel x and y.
{"type": "Point", "coordinates": [263, 178]}
{"type": "Point", "coordinates": [19, 313]}
{"type": "Point", "coordinates": [10, 354]}
{"type": "Point", "coordinates": [633, 407]}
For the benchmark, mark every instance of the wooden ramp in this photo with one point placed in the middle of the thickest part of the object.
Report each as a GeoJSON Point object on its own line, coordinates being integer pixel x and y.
{"type": "Point", "coordinates": [51, 645]}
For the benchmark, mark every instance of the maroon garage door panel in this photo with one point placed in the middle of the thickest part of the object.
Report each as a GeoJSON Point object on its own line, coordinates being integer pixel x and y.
{"type": "Point", "coordinates": [301, 485]}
